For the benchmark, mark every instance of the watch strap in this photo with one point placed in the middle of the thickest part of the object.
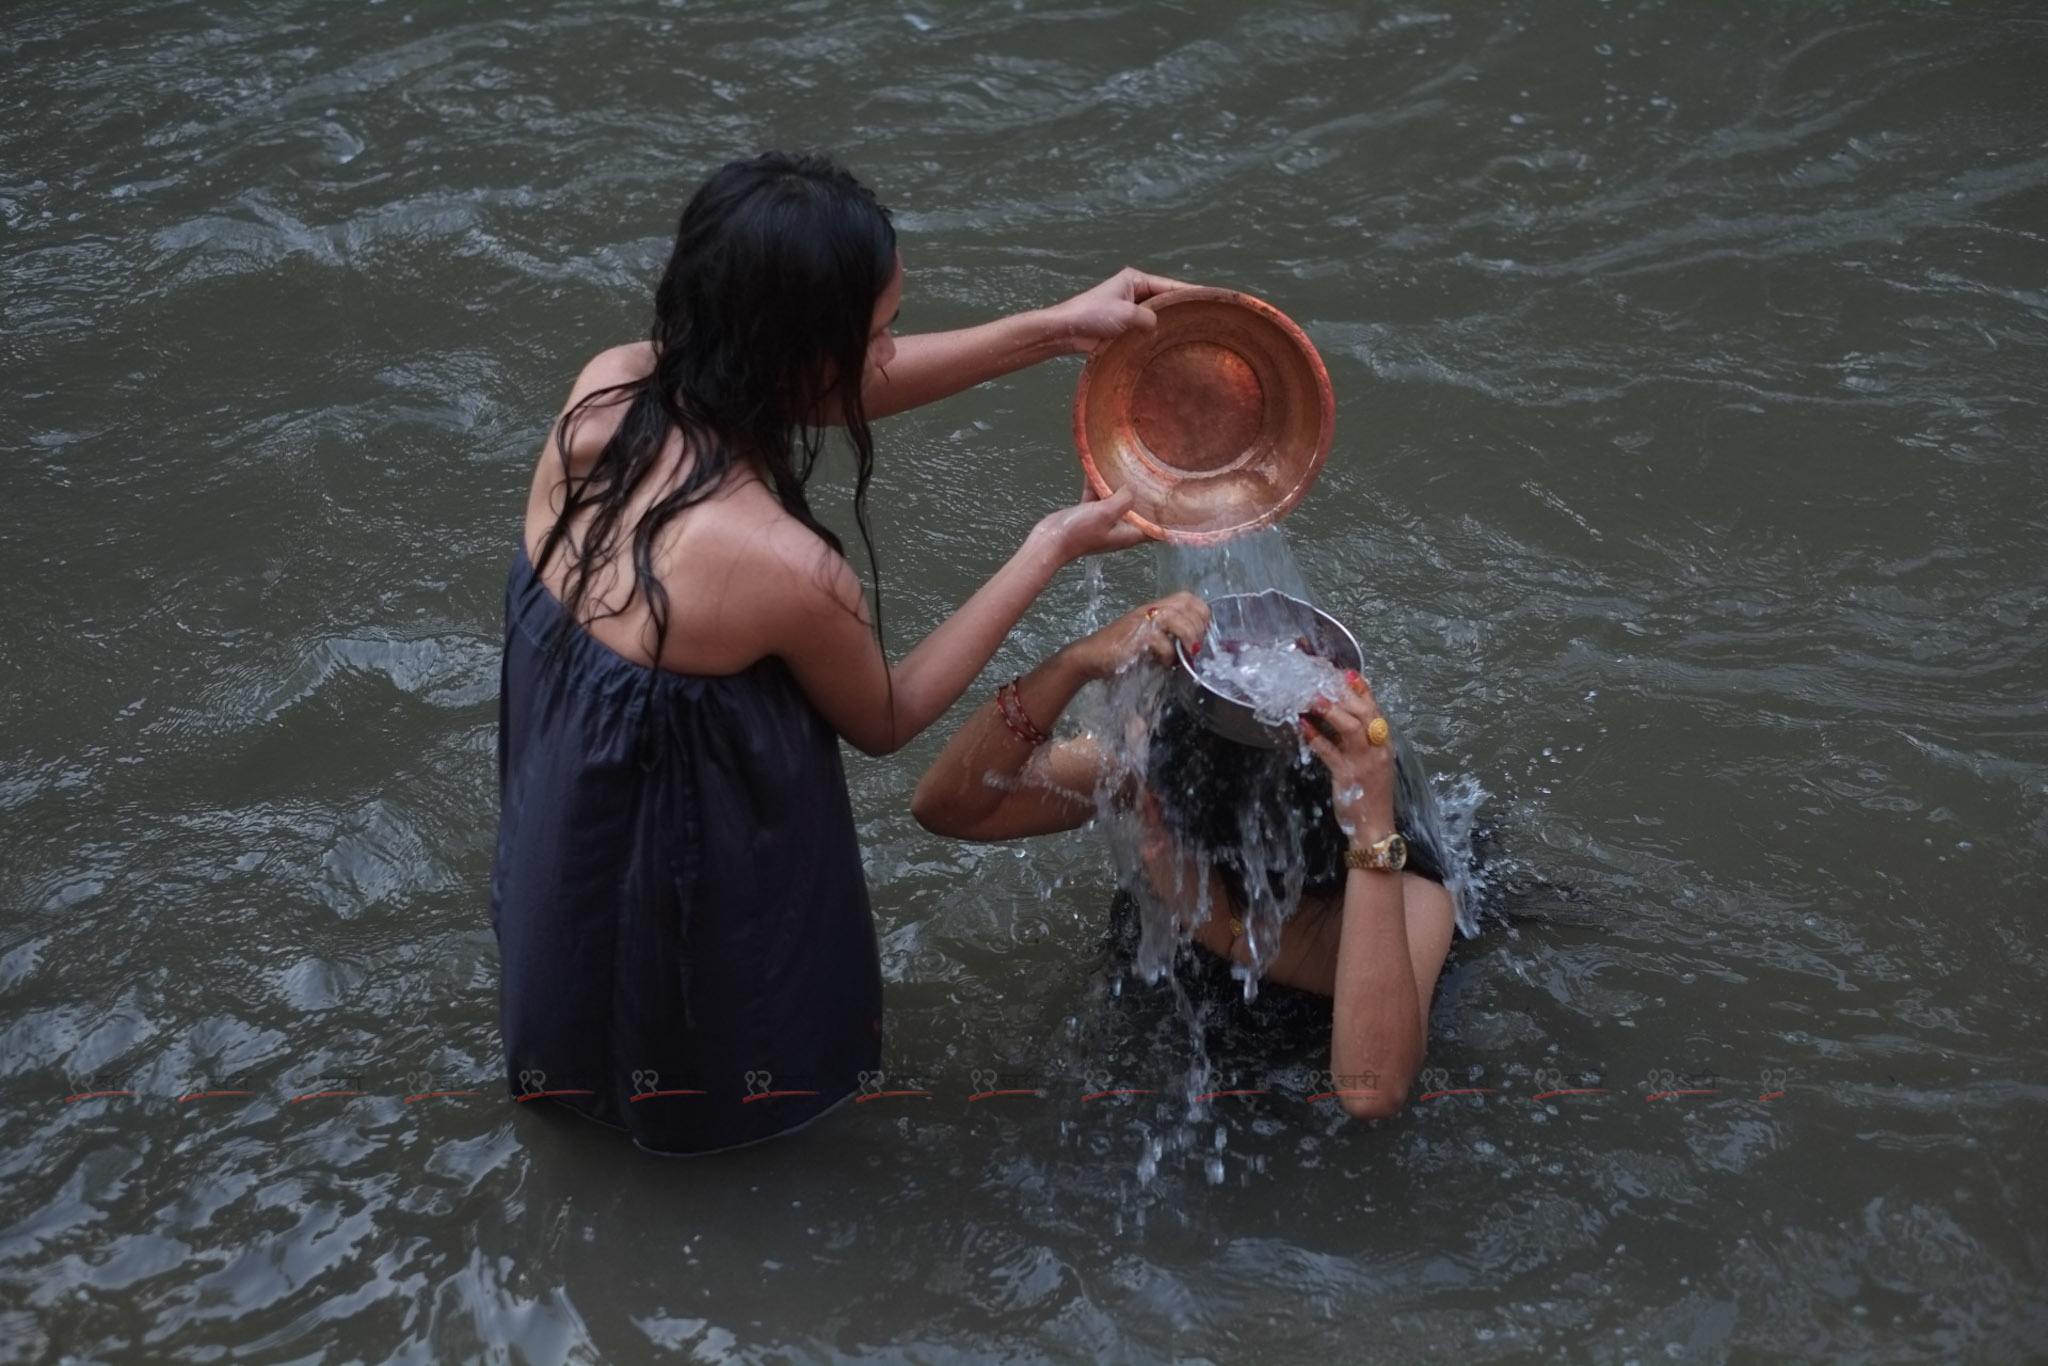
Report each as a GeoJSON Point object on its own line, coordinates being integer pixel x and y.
{"type": "Point", "coordinates": [1389, 855]}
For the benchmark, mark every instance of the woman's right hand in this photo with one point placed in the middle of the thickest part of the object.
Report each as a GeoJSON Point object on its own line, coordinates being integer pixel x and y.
{"type": "Point", "coordinates": [1098, 316]}
{"type": "Point", "coordinates": [1147, 632]}
{"type": "Point", "coordinates": [1342, 734]}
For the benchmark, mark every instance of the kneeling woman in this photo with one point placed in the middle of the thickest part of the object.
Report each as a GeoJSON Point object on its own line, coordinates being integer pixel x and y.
{"type": "Point", "coordinates": [1372, 927]}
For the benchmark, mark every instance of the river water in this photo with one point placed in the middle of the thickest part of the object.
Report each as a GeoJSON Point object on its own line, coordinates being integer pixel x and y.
{"type": "Point", "coordinates": [1688, 497]}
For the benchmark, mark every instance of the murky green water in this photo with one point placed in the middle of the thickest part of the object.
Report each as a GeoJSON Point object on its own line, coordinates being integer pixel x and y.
{"type": "Point", "coordinates": [1689, 495]}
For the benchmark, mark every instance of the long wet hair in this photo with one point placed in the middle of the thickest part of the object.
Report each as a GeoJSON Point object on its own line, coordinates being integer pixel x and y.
{"type": "Point", "coordinates": [760, 336]}
{"type": "Point", "coordinates": [1212, 789]}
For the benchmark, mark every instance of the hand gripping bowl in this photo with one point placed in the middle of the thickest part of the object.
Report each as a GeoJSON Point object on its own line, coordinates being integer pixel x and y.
{"type": "Point", "coordinates": [1218, 419]}
{"type": "Point", "coordinates": [1268, 616]}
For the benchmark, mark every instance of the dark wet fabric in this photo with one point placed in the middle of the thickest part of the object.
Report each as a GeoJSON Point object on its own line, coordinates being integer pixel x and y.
{"type": "Point", "coordinates": [1151, 1033]}
{"type": "Point", "coordinates": [687, 949]}
{"type": "Point", "coordinates": [1211, 985]}
{"type": "Point", "coordinates": [1209, 789]}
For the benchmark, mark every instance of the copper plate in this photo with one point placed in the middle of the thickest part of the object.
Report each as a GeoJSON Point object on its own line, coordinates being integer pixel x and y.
{"type": "Point", "coordinates": [1218, 419]}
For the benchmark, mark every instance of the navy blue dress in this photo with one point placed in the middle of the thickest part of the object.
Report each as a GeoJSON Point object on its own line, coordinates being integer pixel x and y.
{"type": "Point", "coordinates": [687, 949]}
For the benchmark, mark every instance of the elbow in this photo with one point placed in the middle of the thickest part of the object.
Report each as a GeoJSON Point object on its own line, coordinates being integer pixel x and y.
{"type": "Point", "coordinates": [932, 810]}
{"type": "Point", "coordinates": [930, 813]}
{"type": "Point", "coordinates": [1379, 1094]}
{"type": "Point", "coordinates": [883, 741]}
{"type": "Point", "coordinates": [1373, 1105]}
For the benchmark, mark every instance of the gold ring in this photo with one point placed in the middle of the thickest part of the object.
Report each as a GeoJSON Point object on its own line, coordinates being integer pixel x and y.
{"type": "Point", "coordinates": [1151, 613]}
{"type": "Point", "coordinates": [1377, 732]}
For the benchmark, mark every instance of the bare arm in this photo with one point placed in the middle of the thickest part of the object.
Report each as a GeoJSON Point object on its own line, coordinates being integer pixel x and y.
{"type": "Point", "coordinates": [990, 783]}
{"type": "Point", "coordinates": [930, 366]}
{"type": "Point", "coordinates": [815, 617]}
{"type": "Point", "coordinates": [1389, 950]}
{"type": "Point", "coordinates": [1378, 1020]}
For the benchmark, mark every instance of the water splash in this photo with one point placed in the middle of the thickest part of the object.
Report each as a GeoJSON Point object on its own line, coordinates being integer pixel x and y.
{"type": "Point", "coordinates": [1278, 680]}
{"type": "Point", "coordinates": [1198, 826]}
{"type": "Point", "coordinates": [1091, 610]}
{"type": "Point", "coordinates": [1251, 563]}
{"type": "Point", "coordinates": [1447, 818]}
{"type": "Point", "coordinates": [1172, 897]}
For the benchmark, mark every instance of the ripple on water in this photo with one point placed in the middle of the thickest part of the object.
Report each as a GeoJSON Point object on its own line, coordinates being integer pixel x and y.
{"type": "Point", "coordinates": [378, 854]}
{"type": "Point", "coordinates": [445, 671]}
{"type": "Point", "coordinates": [1691, 421]}
{"type": "Point", "coordinates": [317, 984]}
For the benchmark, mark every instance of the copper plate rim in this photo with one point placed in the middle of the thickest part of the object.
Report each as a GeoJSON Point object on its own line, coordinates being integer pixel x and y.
{"type": "Point", "coordinates": [1100, 360]}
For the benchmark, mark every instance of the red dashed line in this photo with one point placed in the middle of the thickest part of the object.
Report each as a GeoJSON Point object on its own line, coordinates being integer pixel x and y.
{"type": "Point", "coordinates": [881, 1095]}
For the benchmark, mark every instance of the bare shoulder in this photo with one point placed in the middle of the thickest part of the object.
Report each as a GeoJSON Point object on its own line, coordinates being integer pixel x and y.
{"type": "Point", "coordinates": [608, 369]}
{"type": "Point", "coordinates": [791, 558]}
{"type": "Point", "coordinates": [626, 364]}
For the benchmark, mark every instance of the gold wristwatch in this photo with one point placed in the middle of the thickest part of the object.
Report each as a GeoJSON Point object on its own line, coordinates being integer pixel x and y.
{"type": "Point", "coordinates": [1389, 855]}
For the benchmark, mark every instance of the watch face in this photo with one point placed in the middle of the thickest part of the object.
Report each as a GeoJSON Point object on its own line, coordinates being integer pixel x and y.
{"type": "Point", "coordinates": [1397, 853]}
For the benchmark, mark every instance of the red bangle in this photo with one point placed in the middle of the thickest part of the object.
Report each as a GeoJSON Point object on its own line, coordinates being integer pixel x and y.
{"type": "Point", "coordinates": [1010, 705]}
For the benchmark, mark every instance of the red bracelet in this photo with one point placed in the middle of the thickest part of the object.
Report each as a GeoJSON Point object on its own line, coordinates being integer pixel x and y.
{"type": "Point", "coordinates": [1010, 705]}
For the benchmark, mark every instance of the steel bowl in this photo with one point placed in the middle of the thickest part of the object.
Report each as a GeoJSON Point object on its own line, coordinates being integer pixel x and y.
{"type": "Point", "coordinates": [1261, 618]}
{"type": "Point", "coordinates": [1218, 419]}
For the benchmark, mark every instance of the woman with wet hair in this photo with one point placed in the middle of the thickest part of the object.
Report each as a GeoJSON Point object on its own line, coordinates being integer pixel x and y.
{"type": "Point", "coordinates": [1374, 920]}
{"type": "Point", "coordinates": [686, 944]}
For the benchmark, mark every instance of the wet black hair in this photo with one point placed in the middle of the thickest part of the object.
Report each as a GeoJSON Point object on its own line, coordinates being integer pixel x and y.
{"type": "Point", "coordinates": [760, 335]}
{"type": "Point", "coordinates": [1210, 788]}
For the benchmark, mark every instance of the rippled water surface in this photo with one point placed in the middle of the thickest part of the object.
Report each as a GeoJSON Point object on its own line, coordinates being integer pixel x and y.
{"type": "Point", "coordinates": [1689, 497]}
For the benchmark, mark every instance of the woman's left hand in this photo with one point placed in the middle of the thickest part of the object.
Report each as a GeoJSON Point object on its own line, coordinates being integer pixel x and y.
{"type": "Point", "coordinates": [1109, 310]}
{"type": "Point", "coordinates": [1354, 740]}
